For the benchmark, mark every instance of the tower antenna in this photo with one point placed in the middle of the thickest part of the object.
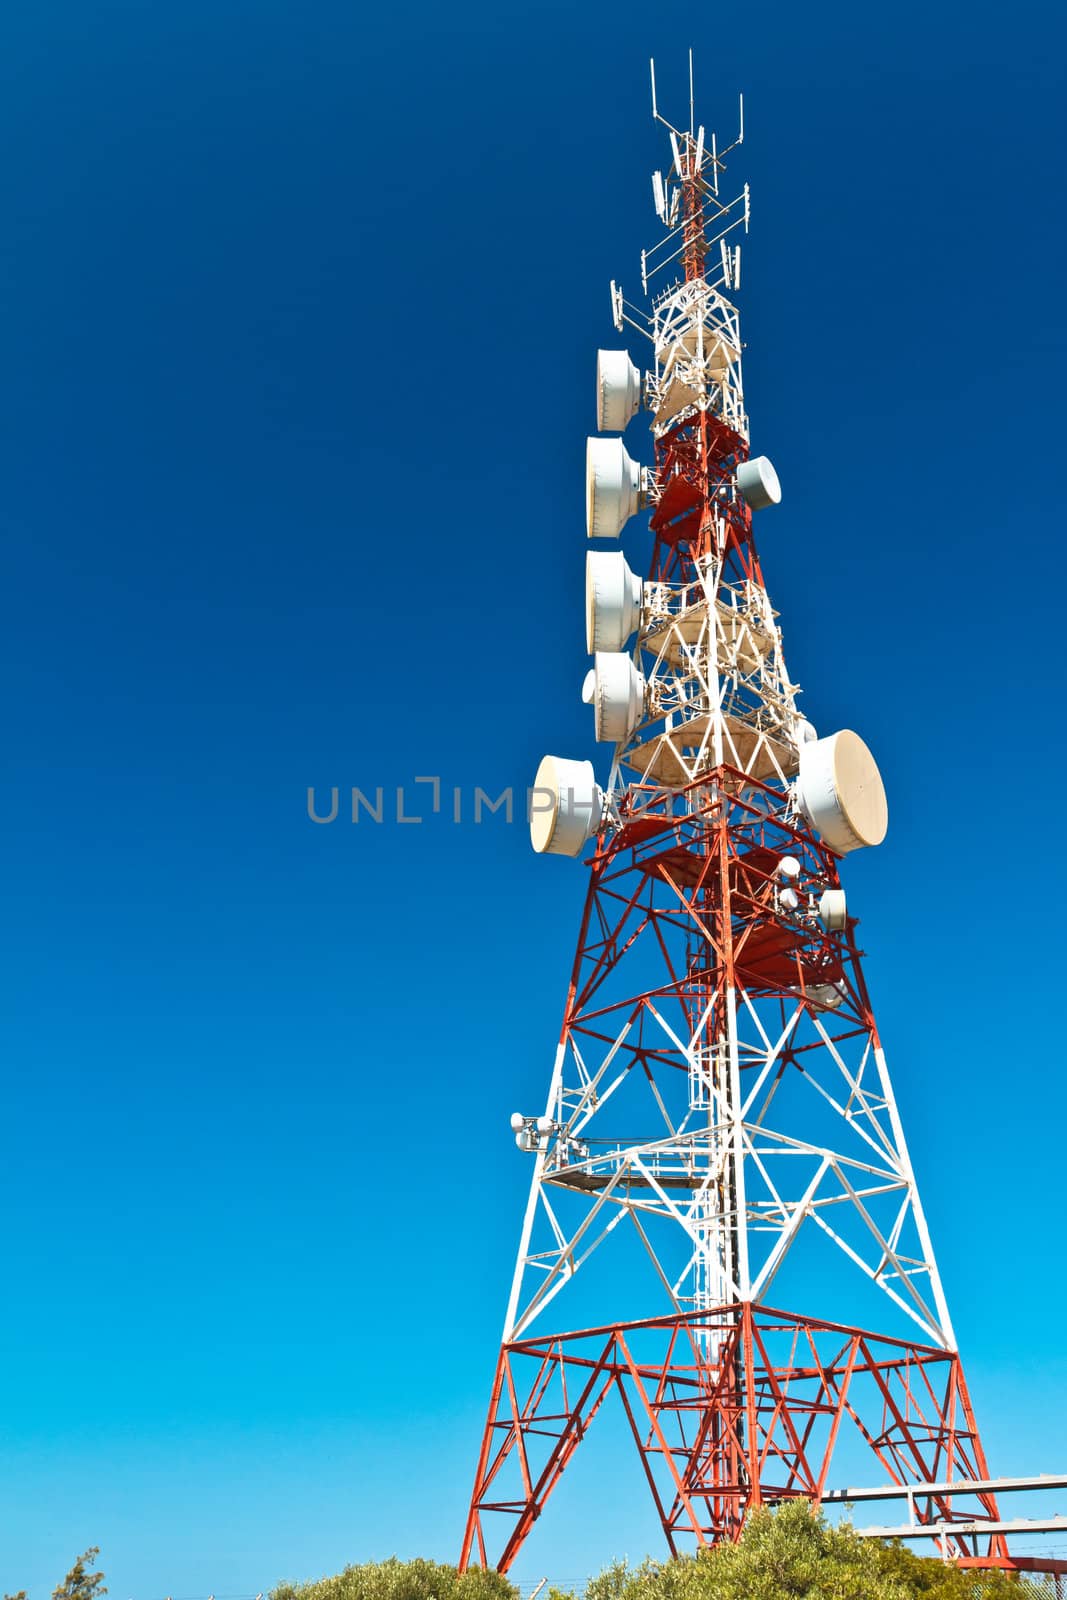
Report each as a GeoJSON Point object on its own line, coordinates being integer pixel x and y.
{"type": "Point", "coordinates": [692, 124]}
{"type": "Point", "coordinates": [720, 1135]}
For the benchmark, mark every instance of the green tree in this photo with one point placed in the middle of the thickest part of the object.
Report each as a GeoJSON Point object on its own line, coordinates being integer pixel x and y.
{"type": "Point", "coordinates": [402, 1580]}
{"type": "Point", "coordinates": [794, 1554]}
{"type": "Point", "coordinates": [934, 1579]}
{"type": "Point", "coordinates": [789, 1554]}
{"type": "Point", "coordinates": [80, 1583]}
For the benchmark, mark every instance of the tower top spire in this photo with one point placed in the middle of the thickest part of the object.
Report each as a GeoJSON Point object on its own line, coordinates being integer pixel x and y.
{"type": "Point", "coordinates": [688, 201]}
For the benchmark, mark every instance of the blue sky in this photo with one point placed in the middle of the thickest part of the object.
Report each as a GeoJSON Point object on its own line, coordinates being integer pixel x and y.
{"type": "Point", "coordinates": [299, 316]}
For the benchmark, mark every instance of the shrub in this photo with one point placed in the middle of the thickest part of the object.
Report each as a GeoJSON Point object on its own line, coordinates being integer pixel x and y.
{"type": "Point", "coordinates": [789, 1554]}
{"type": "Point", "coordinates": [401, 1580]}
{"type": "Point", "coordinates": [794, 1554]}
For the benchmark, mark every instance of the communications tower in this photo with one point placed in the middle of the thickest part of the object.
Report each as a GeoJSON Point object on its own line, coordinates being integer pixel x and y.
{"type": "Point", "coordinates": [720, 1135]}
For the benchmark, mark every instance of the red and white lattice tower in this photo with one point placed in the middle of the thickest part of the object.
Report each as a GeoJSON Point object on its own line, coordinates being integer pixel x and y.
{"type": "Point", "coordinates": [720, 1135]}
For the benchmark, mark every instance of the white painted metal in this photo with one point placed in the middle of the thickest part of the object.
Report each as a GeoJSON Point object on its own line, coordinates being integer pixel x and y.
{"type": "Point", "coordinates": [833, 913]}
{"type": "Point", "coordinates": [614, 488]}
{"type": "Point", "coordinates": [841, 792]}
{"type": "Point", "coordinates": [825, 996]}
{"type": "Point", "coordinates": [612, 600]}
{"type": "Point", "coordinates": [535, 1196]}
{"type": "Point", "coordinates": [946, 1532]}
{"type": "Point", "coordinates": [758, 482]}
{"type": "Point", "coordinates": [919, 1215]}
{"type": "Point", "coordinates": [697, 341]}
{"type": "Point", "coordinates": [618, 696]}
{"type": "Point", "coordinates": [711, 655]}
{"type": "Point", "coordinates": [700, 1157]}
{"type": "Point", "coordinates": [618, 390]}
{"type": "Point", "coordinates": [782, 1183]}
{"type": "Point", "coordinates": [565, 806]}
{"type": "Point", "coordinates": [948, 1488]}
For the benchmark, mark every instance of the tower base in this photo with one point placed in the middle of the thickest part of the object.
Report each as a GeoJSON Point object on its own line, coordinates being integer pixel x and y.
{"type": "Point", "coordinates": [730, 1409]}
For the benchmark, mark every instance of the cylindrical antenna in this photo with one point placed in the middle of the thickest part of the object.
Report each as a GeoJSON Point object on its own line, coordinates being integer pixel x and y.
{"type": "Point", "coordinates": [691, 128]}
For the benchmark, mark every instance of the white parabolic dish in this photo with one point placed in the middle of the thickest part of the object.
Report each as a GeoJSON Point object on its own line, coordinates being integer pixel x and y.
{"type": "Point", "coordinates": [619, 693]}
{"type": "Point", "coordinates": [564, 807]}
{"type": "Point", "coordinates": [618, 390]}
{"type": "Point", "coordinates": [758, 482]}
{"type": "Point", "coordinates": [612, 488]}
{"type": "Point", "coordinates": [842, 792]}
{"type": "Point", "coordinates": [612, 600]}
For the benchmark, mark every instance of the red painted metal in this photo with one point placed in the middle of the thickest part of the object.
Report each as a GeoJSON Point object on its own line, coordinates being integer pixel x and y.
{"type": "Point", "coordinates": [740, 1405]}
{"type": "Point", "coordinates": [756, 1423]}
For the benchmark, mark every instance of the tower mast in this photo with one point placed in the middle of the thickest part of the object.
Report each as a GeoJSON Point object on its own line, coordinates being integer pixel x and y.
{"type": "Point", "coordinates": [720, 1121]}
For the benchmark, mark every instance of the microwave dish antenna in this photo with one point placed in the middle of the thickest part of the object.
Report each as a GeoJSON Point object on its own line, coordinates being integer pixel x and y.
{"type": "Point", "coordinates": [614, 488]}
{"type": "Point", "coordinates": [618, 390]}
{"type": "Point", "coordinates": [612, 600]}
{"type": "Point", "coordinates": [618, 696]}
{"type": "Point", "coordinates": [565, 806]}
{"type": "Point", "coordinates": [758, 483]}
{"type": "Point", "coordinates": [841, 792]}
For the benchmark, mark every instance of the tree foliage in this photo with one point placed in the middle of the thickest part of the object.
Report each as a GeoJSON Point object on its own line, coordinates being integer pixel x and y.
{"type": "Point", "coordinates": [936, 1580]}
{"type": "Point", "coordinates": [402, 1580]}
{"type": "Point", "coordinates": [789, 1554]}
{"type": "Point", "coordinates": [794, 1554]}
{"type": "Point", "coordinates": [80, 1583]}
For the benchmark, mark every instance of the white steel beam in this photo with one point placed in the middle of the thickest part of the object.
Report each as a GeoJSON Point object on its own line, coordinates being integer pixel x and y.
{"type": "Point", "coordinates": [905, 1491]}
{"type": "Point", "coordinates": [950, 1530]}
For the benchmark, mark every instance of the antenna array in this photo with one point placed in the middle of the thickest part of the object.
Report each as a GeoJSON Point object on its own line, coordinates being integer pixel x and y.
{"type": "Point", "coordinates": [720, 1124]}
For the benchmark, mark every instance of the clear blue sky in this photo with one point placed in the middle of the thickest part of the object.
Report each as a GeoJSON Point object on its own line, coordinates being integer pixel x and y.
{"type": "Point", "coordinates": [298, 313]}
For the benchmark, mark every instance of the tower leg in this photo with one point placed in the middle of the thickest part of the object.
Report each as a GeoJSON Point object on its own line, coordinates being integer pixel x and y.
{"type": "Point", "coordinates": [543, 1402]}
{"type": "Point", "coordinates": [729, 1409]}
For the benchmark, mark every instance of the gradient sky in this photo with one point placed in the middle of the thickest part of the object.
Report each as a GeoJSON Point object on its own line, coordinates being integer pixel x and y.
{"type": "Point", "coordinates": [298, 316]}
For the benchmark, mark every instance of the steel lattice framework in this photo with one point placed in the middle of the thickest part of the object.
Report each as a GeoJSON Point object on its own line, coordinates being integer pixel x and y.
{"type": "Point", "coordinates": [720, 1094]}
